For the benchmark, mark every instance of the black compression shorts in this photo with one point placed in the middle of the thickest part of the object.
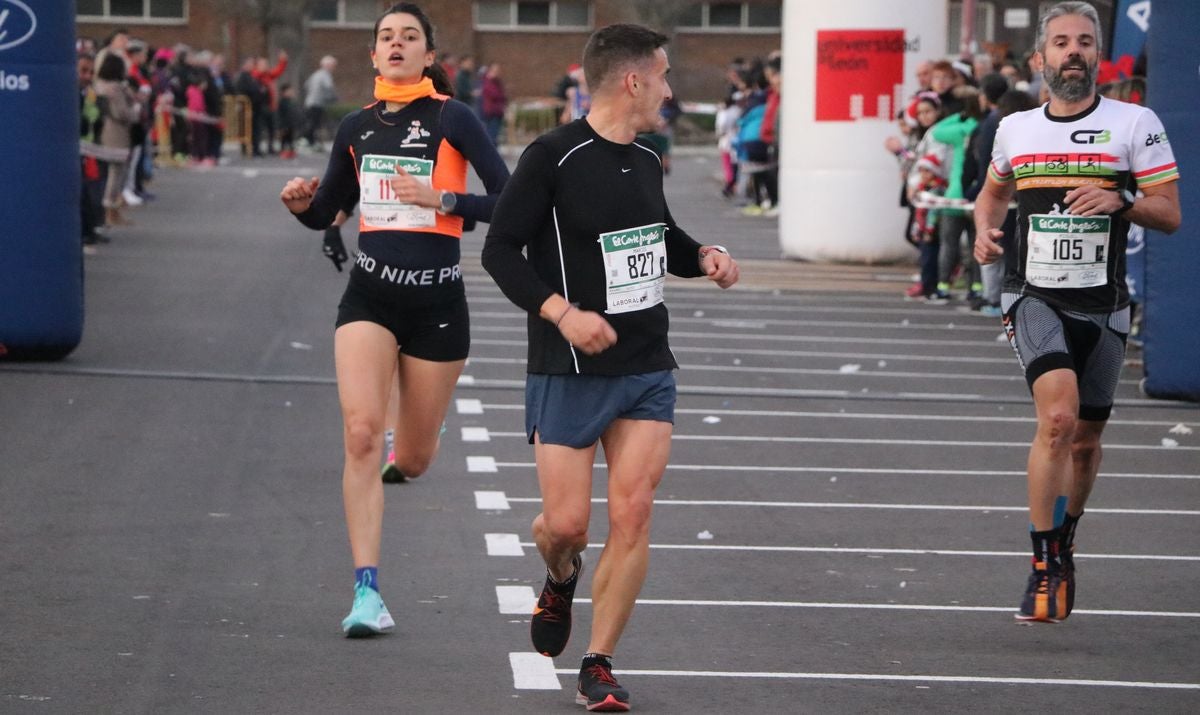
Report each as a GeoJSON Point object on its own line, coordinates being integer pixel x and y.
{"type": "Point", "coordinates": [430, 322]}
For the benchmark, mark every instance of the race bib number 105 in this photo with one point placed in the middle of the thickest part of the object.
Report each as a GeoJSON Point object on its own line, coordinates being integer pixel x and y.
{"type": "Point", "coordinates": [1067, 251]}
{"type": "Point", "coordinates": [380, 207]}
{"type": "Point", "coordinates": [635, 262]}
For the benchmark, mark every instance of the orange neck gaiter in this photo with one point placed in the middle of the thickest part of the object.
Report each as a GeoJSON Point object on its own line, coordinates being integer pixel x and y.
{"type": "Point", "coordinates": [403, 93]}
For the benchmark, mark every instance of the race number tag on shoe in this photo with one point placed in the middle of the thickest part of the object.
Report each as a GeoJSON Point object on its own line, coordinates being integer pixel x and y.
{"type": "Point", "coordinates": [380, 207]}
{"type": "Point", "coordinates": [1067, 251]}
{"type": "Point", "coordinates": [635, 262]}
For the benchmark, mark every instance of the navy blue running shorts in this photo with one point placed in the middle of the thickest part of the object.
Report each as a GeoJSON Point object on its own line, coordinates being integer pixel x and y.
{"type": "Point", "coordinates": [430, 324]}
{"type": "Point", "coordinates": [574, 410]}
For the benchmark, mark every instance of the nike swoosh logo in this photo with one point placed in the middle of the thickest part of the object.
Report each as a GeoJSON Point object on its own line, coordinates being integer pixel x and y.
{"type": "Point", "coordinates": [626, 171]}
{"type": "Point", "coordinates": [442, 325]}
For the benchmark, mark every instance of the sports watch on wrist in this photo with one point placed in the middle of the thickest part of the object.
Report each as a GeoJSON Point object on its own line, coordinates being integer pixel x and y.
{"type": "Point", "coordinates": [447, 200]}
{"type": "Point", "coordinates": [1127, 197]}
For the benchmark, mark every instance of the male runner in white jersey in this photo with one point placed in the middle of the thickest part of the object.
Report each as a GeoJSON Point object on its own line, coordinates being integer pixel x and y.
{"type": "Point", "coordinates": [1074, 164]}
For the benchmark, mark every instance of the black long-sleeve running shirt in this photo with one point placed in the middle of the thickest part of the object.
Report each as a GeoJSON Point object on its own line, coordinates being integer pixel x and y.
{"type": "Point", "coordinates": [594, 224]}
{"type": "Point", "coordinates": [440, 136]}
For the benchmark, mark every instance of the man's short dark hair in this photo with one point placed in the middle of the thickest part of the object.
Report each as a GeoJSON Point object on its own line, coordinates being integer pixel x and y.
{"type": "Point", "coordinates": [613, 48]}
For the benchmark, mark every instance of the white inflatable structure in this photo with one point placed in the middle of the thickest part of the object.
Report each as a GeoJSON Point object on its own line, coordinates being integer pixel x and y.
{"type": "Point", "coordinates": [848, 67]}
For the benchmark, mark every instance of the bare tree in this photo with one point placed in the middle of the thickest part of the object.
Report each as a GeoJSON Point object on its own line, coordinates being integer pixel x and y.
{"type": "Point", "coordinates": [661, 15]}
{"type": "Point", "coordinates": [282, 23]}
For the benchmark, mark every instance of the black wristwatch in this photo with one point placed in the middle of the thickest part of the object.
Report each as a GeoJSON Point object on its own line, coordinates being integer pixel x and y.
{"type": "Point", "coordinates": [448, 201]}
{"type": "Point", "coordinates": [1127, 197]}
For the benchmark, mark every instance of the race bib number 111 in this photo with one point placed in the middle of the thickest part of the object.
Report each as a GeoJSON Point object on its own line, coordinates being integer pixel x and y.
{"type": "Point", "coordinates": [380, 207]}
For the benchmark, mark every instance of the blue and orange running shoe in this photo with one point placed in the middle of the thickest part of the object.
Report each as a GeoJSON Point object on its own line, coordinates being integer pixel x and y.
{"type": "Point", "coordinates": [1045, 595]}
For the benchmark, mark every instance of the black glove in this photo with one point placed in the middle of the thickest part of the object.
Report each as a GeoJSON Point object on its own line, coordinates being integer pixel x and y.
{"type": "Point", "coordinates": [333, 248]}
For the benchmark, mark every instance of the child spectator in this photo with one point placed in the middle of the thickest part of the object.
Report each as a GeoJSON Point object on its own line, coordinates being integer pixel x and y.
{"type": "Point", "coordinates": [923, 231]}
{"type": "Point", "coordinates": [196, 115]}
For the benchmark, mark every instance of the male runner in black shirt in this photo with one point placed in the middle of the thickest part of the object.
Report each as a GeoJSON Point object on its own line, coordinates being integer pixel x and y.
{"type": "Point", "coordinates": [586, 204]}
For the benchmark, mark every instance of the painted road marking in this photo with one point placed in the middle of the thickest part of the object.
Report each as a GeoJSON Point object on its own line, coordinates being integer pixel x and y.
{"type": "Point", "coordinates": [848, 505]}
{"type": "Point", "coordinates": [481, 464]}
{"type": "Point", "coordinates": [466, 380]}
{"type": "Point", "coordinates": [891, 552]}
{"type": "Point", "coordinates": [879, 441]}
{"type": "Point", "coordinates": [870, 470]}
{"type": "Point", "coordinates": [497, 501]}
{"type": "Point", "coordinates": [518, 599]}
{"type": "Point", "coordinates": [504, 545]}
{"type": "Point", "coordinates": [468, 406]}
{"type": "Point", "coordinates": [534, 671]}
{"type": "Point", "coordinates": [879, 677]}
{"type": "Point", "coordinates": [476, 434]}
{"type": "Point", "coordinates": [885, 607]}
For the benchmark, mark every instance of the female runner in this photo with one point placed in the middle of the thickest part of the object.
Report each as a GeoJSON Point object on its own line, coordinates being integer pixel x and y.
{"type": "Point", "coordinates": [404, 310]}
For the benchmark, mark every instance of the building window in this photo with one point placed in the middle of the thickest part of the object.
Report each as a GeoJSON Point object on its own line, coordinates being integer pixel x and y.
{"type": "Point", "coordinates": [148, 11]}
{"type": "Point", "coordinates": [344, 13]}
{"type": "Point", "coordinates": [531, 15]}
{"type": "Point", "coordinates": [732, 17]}
{"type": "Point", "coordinates": [985, 25]}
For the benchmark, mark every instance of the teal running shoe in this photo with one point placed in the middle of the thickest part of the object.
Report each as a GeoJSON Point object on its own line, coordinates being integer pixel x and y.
{"type": "Point", "coordinates": [368, 616]}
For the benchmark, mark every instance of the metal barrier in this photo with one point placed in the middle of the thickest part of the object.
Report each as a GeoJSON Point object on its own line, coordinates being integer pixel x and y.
{"type": "Point", "coordinates": [238, 116]}
{"type": "Point", "coordinates": [527, 118]}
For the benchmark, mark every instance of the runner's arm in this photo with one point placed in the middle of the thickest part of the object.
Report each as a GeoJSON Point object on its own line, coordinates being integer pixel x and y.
{"type": "Point", "coordinates": [1158, 208]}
{"type": "Point", "coordinates": [521, 211]}
{"type": "Point", "coordinates": [991, 206]}
{"type": "Point", "coordinates": [466, 134]}
{"type": "Point", "coordinates": [683, 251]}
{"type": "Point", "coordinates": [340, 183]}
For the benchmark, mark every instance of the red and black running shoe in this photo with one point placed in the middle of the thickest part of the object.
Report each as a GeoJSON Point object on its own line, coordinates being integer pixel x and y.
{"type": "Point", "coordinates": [550, 627]}
{"type": "Point", "coordinates": [598, 689]}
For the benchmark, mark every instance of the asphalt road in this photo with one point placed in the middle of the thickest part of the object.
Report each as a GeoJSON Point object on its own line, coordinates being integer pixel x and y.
{"type": "Point", "coordinates": [841, 528]}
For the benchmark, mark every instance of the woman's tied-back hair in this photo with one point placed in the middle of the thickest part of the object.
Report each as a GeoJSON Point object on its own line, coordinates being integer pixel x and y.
{"type": "Point", "coordinates": [435, 72]}
{"type": "Point", "coordinates": [613, 48]}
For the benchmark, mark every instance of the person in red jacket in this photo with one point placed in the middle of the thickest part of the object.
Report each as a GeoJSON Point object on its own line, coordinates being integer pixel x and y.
{"type": "Point", "coordinates": [266, 76]}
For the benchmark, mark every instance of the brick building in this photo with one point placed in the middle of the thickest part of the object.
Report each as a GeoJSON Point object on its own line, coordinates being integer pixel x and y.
{"type": "Point", "coordinates": [533, 41]}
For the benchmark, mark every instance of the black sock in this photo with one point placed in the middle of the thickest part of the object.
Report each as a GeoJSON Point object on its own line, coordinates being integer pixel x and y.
{"type": "Point", "coordinates": [1046, 546]}
{"type": "Point", "coordinates": [591, 659]}
{"type": "Point", "coordinates": [1070, 523]}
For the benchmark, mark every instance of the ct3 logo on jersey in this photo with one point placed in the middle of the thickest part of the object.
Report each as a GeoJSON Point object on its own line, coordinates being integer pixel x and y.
{"type": "Point", "coordinates": [1091, 136]}
{"type": "Point", "coordinates": [17, 23]}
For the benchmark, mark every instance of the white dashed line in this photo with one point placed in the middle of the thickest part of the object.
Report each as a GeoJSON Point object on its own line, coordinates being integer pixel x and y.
{"type": "Point", "coordinates": [889, 607]}
{"type": "Point", "coordinates": [517, 599]}
{"type": "Point", "coordinates": [476, 434]}
{"type": "Point", "coordinates": [533, 671]}
{"type": "Point", "coordinates": [468, 406]}
{"type": "Point", "coordinates": [504, 545]}
{"type": "Point", "coordinates": [481, 464]}
{"type": "Point", "coordinates": [986, 680]}
{"type": "Point", "coordinates": [491, 501]}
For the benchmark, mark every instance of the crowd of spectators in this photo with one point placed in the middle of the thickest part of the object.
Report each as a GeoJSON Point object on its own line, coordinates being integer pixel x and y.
{"type": "Point", "coordinates": [747, 129]}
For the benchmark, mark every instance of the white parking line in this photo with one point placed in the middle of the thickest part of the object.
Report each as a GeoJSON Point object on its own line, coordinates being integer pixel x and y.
{"type": "Point", "coordinates": [504, 545]}
{"type": "Point", "coordinates": [468, 406]}
{"type": "Point", "coordinates": [880, 441]}
{"type": "Point", "coordinates": [861, 505]}
{"type": "Point", "coordinates": [871, 470]}
{"type": "Point", "coordinates": [519, 599]}
{"type": "Point", "coordinates": [534, 671]}
{"type": "Point", "coordinates": [476, 434]}
{"type": "Point", "coordinates": [879, 607]}
{"type": "Point", "coordinates": [890, 552]}
{"type": "Point", "coordinates": [497, 501]}
{"type": "Point", "coordinates": [882, 677]}
{"type": "Point", "coordinates": [481, 464]}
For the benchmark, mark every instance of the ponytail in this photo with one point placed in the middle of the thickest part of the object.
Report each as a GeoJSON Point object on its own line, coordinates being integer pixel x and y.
{"type": "Point", "coordinates": [441, 81]}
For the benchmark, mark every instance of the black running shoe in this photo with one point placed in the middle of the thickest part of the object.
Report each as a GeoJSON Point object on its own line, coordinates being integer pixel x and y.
{"type": "Point", "coordinates": [598, 689]}
{"type": "Point", "coordinates": [550, 627]}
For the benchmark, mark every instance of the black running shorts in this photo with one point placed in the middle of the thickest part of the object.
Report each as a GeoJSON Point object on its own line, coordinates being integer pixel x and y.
{"type": "Point", "coordinates": [429, 321]}
{"type": "Point", "coordinates": [1091, 344]}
